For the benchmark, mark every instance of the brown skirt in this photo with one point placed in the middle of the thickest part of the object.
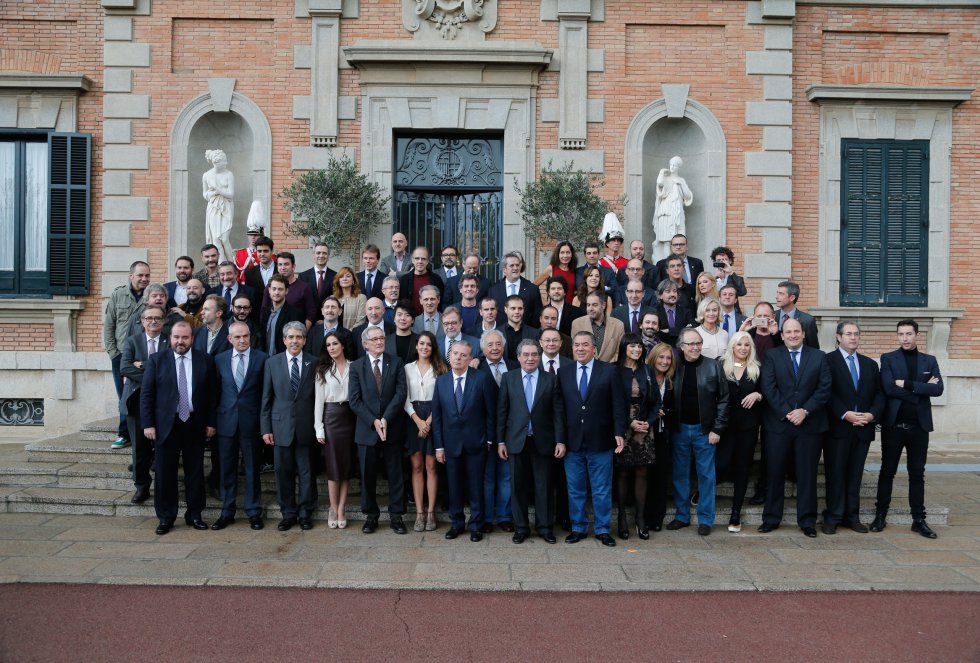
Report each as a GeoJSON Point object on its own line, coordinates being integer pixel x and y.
{"type": "Point", "coordinates": [338, 426]}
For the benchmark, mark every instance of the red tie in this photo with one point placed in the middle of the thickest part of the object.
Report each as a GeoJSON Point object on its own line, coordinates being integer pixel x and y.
{"type": "Point", "coordinates": [319, 283]}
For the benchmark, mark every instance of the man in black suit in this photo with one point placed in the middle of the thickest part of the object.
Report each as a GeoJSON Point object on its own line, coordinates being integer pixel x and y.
{"type": "Point", "coordinates": [553, 358]}
{"type": "Point", "coordinates": [514, 284]}
{"type": "Point", "coordinates": [690, 268]}
{"type": "Point", "coordinates": [371, 279]}
{"type": "Point", "coordinates": [673, 315]}
{"type": "Point", "coordinates": [177, 413]}
{"type": "Point", "coordinates": [177, 289]}
{"type": "Point", "coordinates": [330, 312]}
{"type": "Point", "coordinates": [557, 289]}
{"type": "Point", "coordinates": [319, 277]}
{"type": "Point", "coordinates": [631, 313]}
{"type": "Point", "coordinates": [856, 404]}
{"type": "Point", "coordinates": [530, 434]}
{"type": "Point", "coordinates": [646, 271]}
{"type": "Point", "coordinates": [257, 278]}
{"type": "Point", "coordinates": [471, 266]}
{"type": "Point", "coordinates": [591, 252]}
{"type": "Point", "coordinates": [287, 422]}
{"type": "Point", "coordinates": [675, 273]}
{"type": "Point", "coordinates": [419, 277]}
{"type": "Point", "coordinates": [449, 269]}
{"type": "Point", "coordinates": [375, 312]}
{"type": "Point", "coordinates": [596, 421]}
{"type": "Point", "coordinates": [134, 355]}
{"type": "Point", "coordinates": [241, 380]}
{"type": "Point", "coordinates": [229, 288]}
{"type": "Point", "coordinates": [279, 312]}
{"type": "Point", "coordinates": [549, 320]}
{"type": "Point", "coordinates": [377, 396]}
{"type": "Point", "coordinates": [241, 311]}
{"type": "Point", "coordinates": [517, 329]}
{"type": "Point", "coordinates": [633, 272]}
{"type": "Point", "coordinates": [463, 426]}
{"type": "Point", "coordinates": [795, 384]}
{"type": "Point", "coordinates": [910, 379]}
{"type": "Point", "coordinates": [787, 294]}
{"type": "Point", "coordinates": [729, 318]}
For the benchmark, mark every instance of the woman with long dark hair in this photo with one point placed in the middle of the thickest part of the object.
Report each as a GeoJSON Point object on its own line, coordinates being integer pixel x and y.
{"type": "Point", "coordinates": [334, 424]}
{"type": "Point", "coordinates": [563, 264]}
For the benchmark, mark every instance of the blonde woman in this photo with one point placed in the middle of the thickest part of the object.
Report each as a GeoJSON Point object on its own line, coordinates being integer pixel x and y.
{"type": "Point", "coordinates": [737, 446]}
{"type": "Point", "coordinates": [663, 362]}
{"type": "Point", "coordinates": [715, 338]}
{"type": "Point", "coordinates": [705, 286]}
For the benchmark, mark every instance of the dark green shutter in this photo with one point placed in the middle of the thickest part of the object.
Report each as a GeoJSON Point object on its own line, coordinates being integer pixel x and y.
{"type": "Point", "coordinates": [69, 227]}
{"type": "Point", "coordinates": [884, 222]}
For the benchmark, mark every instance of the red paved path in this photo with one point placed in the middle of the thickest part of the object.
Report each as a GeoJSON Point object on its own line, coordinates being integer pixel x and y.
{"type": "Point", "coordinates": [176, 624]}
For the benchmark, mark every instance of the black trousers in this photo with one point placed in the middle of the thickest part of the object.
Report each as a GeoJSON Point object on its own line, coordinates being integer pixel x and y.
{"type": "Point", "coordinates": [465, 474]}
{"type": "Point", "coordinates": [734, 455]}
{"type": "Point", "coordinates": [843, 463]}
{"type": "Point", "coordinates": [371, 460]}
{"type": "Point", "coordinates": [185, 444]}
{"type": "Point", "coordinates": [915, 441]}
{"type": "Point", "coordinates": [559, 495]}
{"type": "Point", "coordinates": [781, 448]}
{"type": "Point", "coordinates": [659, 479]}
{"type": "Point", "coordinates": [530, 470]}
{"type": "Point", "coordinates": [292, 468]}
{"type": "Point", "coordinates": [142, 451]}
{"type": "Point", "coordinates": [229, 448]}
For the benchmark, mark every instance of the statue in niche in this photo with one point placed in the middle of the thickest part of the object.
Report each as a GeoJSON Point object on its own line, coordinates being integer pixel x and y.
{"type": "Point", "coordinates": [673, 195]}
{"type": "Point", "coordinates": [219, 191]}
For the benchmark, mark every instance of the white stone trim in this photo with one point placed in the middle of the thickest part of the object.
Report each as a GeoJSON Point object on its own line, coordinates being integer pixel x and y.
{"type": "Point", "coordinates": [60, 312]}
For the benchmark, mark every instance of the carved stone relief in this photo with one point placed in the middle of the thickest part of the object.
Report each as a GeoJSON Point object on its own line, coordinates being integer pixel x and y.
{"type": "Point", "coordinates": [449, 19]}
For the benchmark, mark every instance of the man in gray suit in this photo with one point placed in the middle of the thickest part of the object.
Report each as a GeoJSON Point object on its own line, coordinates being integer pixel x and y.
{"type": "Point", "coordinates": [287, 423]}
{"type": "Point", "coordinates": [530, 434]}
{"type": "Point", "coordinates": [399, 262]}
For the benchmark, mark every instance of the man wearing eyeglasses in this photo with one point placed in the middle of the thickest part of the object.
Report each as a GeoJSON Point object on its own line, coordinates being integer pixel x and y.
{"type": "Point", "coordinates": [449, 267]}
{"type": "Point", "coordinates": [691, 266]}
{"type": "Point", "coordinates": [242, 311]}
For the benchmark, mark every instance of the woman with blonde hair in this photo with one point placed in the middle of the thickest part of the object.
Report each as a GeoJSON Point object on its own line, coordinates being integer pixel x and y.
{"type": "Point", "coordinates": [715, 338]}
{"type": "Point", "coordinates": [705, 286]}
{"type": "Point", "coordinates": [663, 362]}
{"type": "Point", "coordinates": [737, 446]}
{"type": "Point", "coordinates": [352, 300]}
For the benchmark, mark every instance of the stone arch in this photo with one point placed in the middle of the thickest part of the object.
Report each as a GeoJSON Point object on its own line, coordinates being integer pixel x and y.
{"type": "Point", "coordinates": [704, 170]}
{"type": "Point", "coordinates": [259, 170]}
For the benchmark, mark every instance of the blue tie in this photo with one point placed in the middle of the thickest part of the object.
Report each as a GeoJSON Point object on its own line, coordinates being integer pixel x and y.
{"type": "Point", "coordinates": [529, 398]}
{"type": "Point", "coordinates": [728, 324]}
{"type": "Point", "coordinates": [228, 295]}
{"type": "Point", "coordinates": [459, 394]}
{"type": "Point", "coordinates": [583, 384]}
{"type": "Point", "coordinates": [854, 370]}
{"type": "Point", "coordinates": [795, 356]}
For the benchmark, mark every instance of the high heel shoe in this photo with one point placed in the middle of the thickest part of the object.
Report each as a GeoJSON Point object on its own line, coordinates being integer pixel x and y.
{"type": "Point", "coordinates": [642, 531]}
{"type": "Point", "coordinates": [624, 528]}
{"type": "Point", "coordinates": [735, 523]}
{"type": "Point", "coordinates": [331, 519]}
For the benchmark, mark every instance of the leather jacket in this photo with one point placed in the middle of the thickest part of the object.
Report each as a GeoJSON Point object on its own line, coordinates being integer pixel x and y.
{"type": "Point", "coordinates": [713, 396]}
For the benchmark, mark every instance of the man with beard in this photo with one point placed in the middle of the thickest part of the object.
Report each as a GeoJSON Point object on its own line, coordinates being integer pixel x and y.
{"type": "Point", "coordinates": [177, 289]}
{"type": "Point", "coordinates": [208, 275]}
{"type": "Point", "coordinates": [298, 293]}
{"type": "Point", "coordinates": [229, 287]}
{"type": "Point", "coordinates": [191, 309]}
{"type": "Point", "coordinates": [241, 311]}
{"type": "Point", "coordinates": [650, 329]}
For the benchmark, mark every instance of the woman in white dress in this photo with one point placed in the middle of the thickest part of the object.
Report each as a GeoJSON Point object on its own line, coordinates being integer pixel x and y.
{"type": "Point", "coordinates": [333, 422]}
{"type": "Point", "coordinates": [715, 338]}
{"type": "Point", "coordinates": [219, 191]}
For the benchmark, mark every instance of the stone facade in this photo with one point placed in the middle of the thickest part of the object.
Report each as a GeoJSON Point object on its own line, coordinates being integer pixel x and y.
{"type": "Point", "coordinates": [755, 96]}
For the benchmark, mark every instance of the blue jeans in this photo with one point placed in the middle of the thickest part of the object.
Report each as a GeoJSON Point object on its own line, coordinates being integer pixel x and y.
{"type": "Point", "coordinates": [581, 469]}
{"type": "Point", "coordinates": [687, 440]}
{"type": "Point", "coordinates": [496, 490]}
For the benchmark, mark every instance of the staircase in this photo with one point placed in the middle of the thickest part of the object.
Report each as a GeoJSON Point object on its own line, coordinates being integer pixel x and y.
{"type": "Point", "coordinates": [79, 474]}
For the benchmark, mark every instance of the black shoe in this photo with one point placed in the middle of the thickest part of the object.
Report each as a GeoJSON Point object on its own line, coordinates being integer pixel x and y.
{"type": "Point", "coordinates": [623, 527]}
{"type": "Point", "coordinates": [548, 537]}
{"type": "Point", "coordinates": [506, 526]}
{"type": "Point", "coordinates": [765, 528]}
{"type": "Point", "coordinates": [878, 524]}
{"type": "Point", "coordinates": [453, 533]}
{"type": "Point", "coordinates": [827, 528]}
{"type": "Point", "coordinates": [606, 540]}
{"type": "Point", "coordinates": [398, 525]}
{"type": "Point", "coordinates": [196, 523]}
{"type": "Point", "coordinates": [677, 524]}
{"type": "Point", "coordinates": [704, 530]}
{"type": "Point", "coordinates": [164, 527]}
{"type": "Point", "coordinates": [923, 528]}
{"type": "Point", "coordinates": [255, 522]}
{"type": "Point", "coordinates": [141, 495]}
{"type": "Point", "coordinates": [642, 532]}
{"type": "Point", "coordinates": [758, 499]}
{"type": "Point", "coordinates": [858, 527]}
{"type": "Point", "coordinates": [286, 524]}
{"type": "Point", "coordinates": [811, 532]}
{"type": "Point", "coordinates": [370, 525]}
{"type": "Point", "coordinates": [575, 537]}
{"type": "Point", "coordinates": [129, 468]}
{"type": "Point", "coordinates": [519, 537]}
{"type": "Point", "coordinates": [657, 526]}
{"type": "Point", "coordinates": [476, 535]}
{"type": "Point", "coordinates": [306, 523]}
{"type": "Point", "coordinates": [223, 522]}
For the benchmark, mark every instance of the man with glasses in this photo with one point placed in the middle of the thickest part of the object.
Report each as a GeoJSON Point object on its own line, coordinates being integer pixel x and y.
{"type": "Point", "coordinates": [632, 311]}
{"type": "Point", "coordinates": [451, 333]}
{"type": "Point", "coordinates": [229, 287]}
{"type": "Point", "coordinates": [691, 266]}
{"type": "Point", "coordinates": [448, 269]}
{"type": "Point", "coordinates": [242, 311]}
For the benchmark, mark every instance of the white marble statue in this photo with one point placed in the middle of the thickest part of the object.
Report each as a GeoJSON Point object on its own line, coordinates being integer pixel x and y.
{"type": "Point", "coordinates": [673, 196]}
{"type": "Point", "coordinates": [219, 191]}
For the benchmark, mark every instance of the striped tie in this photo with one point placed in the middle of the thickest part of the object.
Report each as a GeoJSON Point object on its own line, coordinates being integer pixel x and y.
{"type": "Point", "coordinates": [294, 375]}
{"type": "Point", "coordinates": [240, 371]}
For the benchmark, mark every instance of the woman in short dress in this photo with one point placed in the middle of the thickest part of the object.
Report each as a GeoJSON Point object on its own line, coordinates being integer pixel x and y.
{"type": "Point", "coordinates": [420, 379]}
{"type": "Point", "coordinates": [639, 453]}
{"type": "Point", "coordinates": [334, 424]}
{"type": "Point", "coordinates": [352, 300]}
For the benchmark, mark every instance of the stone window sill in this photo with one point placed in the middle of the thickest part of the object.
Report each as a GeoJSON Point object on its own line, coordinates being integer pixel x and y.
{"type": "Point", "coordinates": [60, 312]}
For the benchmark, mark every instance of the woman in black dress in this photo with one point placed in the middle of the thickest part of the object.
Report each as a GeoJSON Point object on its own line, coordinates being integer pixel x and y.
{"type": "Point", "coordinates": [640, 386]}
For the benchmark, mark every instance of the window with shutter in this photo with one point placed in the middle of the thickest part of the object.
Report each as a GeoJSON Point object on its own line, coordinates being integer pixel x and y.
{"type": "Point", "coordinates": [884, 222]}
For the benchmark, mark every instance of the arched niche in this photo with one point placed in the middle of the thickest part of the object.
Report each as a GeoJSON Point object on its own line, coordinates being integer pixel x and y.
{"type": "Point", "coordinates": [696, 136]}
{"type": "Point", "coordinates": [243, 132]}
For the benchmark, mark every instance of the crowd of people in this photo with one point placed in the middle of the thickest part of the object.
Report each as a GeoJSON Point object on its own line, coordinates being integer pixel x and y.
{"type": "Point", "coordinates": [604, 380]}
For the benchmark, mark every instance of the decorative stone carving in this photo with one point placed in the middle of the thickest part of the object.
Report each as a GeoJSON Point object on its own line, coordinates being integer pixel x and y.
{"type": "Point", "coordinates": [673, 195]}
{"type": "Point", "coordinates": [219, 191]}
{"type": "Point", "coordinates": [448, 19]}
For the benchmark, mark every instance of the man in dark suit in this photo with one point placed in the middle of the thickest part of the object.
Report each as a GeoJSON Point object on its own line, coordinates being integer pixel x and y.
{"type": "Point", "coordinates": [377, 396]}
{"type": "Point", "coordinates": [552, 359]}
{"type": "Point", "coordinates": [795, 384]}
{"type": "Point", "coordinates": [298, 293]}
{"type": "Point", "coordinates": [673, 315]}
{"type": "Point", "coordinates": [471, 266]}
{"type": "Point", "coordinates": [330, 311]}
{"type": "Point", "coordinates": [643, 271]}
{"type": "Point", "coordinates": [596, 421]}
{"type": "Point", "coordinates": [690, 268]}
{"type": "Point", "coordinates": [241, 372]}
{"type": "Point", "coordinates": [319, 277]}
{"type": "Point", "coordinates": [787, 294]}
{"type": "Point", "coordinates": [212, 336]}
{"type": "Point", "coordinates": [229, 288]}
{"type": "Point", "coordinates": [134, 355]}
{"type": "Point", "coordinates": [496, 476]}
{"type": "Point", "coordinates": [375, 311]}
{"type": "Point", "coordinates": [177, 414]}
{"type": "Point", "coordinates": [633, 272]}
{"type": "Point", "coordinates": [176, 289]}
{"type": "Point", "coordinates": [450, 334]}
{"type": "Point", "coordinates": [675, 274]}
{"type": "Point", "coordinates": [556, 288]}
{"type": "Point", "coordinates": [241, 311]}
{"type": "Point", "coordinates": [856, 404]}
{"type": "Point", "coordinates": [631, 313]}
{"type": "Point", "coordinates": [420, 276]}
{"type": "Point", "coordinates": [517, 328]}
{"type": "Point", "coordinates": [449, 269]}
{"type": "Point", "coordinates": [549, 320]}
{"type": "Point", "coordinates": [909, 379]}
{"type": "Point", "coordinates": [258, 277]}
{"type": "Point", "coordinates": [591, 252]}
{"type": "Point", "coordinates": [277, 315]}
{"type": "Point", "coordinates": [515, 284]}
{"type": "Point", "coordinates": [371, 279]}
{"type": "Point", "coordinates": [530, 434]}
{"type": "Point", "coordinates": [464, 405]}
{"type": "Point", "coordinates": [729, 318]}
{"type": "Point", "coordinates": [287, 423]}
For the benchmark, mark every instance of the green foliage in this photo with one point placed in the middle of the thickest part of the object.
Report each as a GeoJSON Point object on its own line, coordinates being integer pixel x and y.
{"type": "Point", "coordinates": [562, 205]}
{"type": "Point", "coordinates": [336, 205]}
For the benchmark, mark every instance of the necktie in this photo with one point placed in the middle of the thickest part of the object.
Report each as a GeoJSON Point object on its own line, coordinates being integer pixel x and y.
{"type": "Point", "coordinates": [319, 282]}
{"type": "Point", "coordinates": [377, 374]}
{"type": "Point", "coordinates": [795, 355]}
{"type": "Point", "coordinates": [583, 384]}
{"type": "Point", "coordinates": [294, 375]}
{"type": "Point", "coordinates": [369, 278]}
{"type": "Point", "coordinates": [452, 342]}
{"type": "Point", "coordinates": [151, 347]}
{"type": "Point", "coordinates": [529, 397]}
{"type": "Point", "coordinates": [551, 366]}
{"type": "Point", "coordinates": [670, 318]}
{"type": "Point", "coordinates": [183, 403]}
{"type": "Point", "coordinates": [496, 373]}
{"type": "Point", "coordinates": [633, 322]}
{"type": "Point", "coordinates": [430, 325]}
{"type": "Point", "coordinates": [854, 370]}
{"type": "Point", "coordinates": [513, 289]}
{"type": "Point", "coordinates": [459, 394]}
{"type": "Point", "coordinates": [240, 371]}
{"type": "Point", "coordinates": [228, 295]}
{"type": "Point", "coordinates": [782, 319]}
{"type": "Point", "coordinates": [728, 324]}
{"type": "Point", "coordinates": [687, 272]}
